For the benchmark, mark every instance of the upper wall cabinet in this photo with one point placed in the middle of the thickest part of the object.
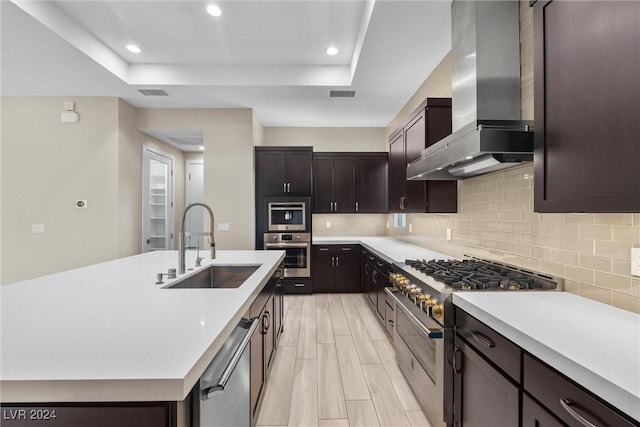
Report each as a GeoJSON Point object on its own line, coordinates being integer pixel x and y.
{"type": "Point", "coordinates": [428, 124]}
{"type": "Point", "coordinates": [587, 106]}
{"type": "Point", "coordinates": [283, 171]}
{"type": "Point", "coordinates": [349, 182]}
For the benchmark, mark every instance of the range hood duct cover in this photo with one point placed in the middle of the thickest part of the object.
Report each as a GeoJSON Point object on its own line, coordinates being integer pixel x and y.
{"type": "Point", "coordinates": [486, 95]}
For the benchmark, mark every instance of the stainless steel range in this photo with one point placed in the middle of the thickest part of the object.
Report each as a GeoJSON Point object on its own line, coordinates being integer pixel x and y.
{"type": "Point", "coordinates": [424, 330]}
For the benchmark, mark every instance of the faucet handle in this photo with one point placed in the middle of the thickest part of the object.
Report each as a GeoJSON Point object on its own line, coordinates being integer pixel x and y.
{"type": "Point", "coordinates": [159, 278]}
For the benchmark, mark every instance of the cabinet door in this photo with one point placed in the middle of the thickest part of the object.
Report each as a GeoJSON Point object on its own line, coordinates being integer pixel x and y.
{"type": "Point", "coordinates": [377, 281]}
{"type": "Point", "coordinates": [442, 196]}
{"type": "Point", "coordinates": [299, 173]}
{"type": "Point", "coordinates": [587, 68]}
{"type": "Point", "coordinates": [343, 187]}
{"type": "Point", "coordinates": [397, 173]}
{"type": "Point", "coordinates": [269, 334]}
{"type": "Point", "coordinates": [414, 138]}
{"type": "Point", "coordinates": [271, 173]}
{"type": "Point", "coordinates": [323, 272]}
{"type": "Point", "coordinates": [483, 397]}
{"type": "Point", "coordinates": [364, 272]}
{"type": "Point", "coordinates": [347, 272]}
{"type": "Point", "coordinates": [534, 415]}
{"type": "Point", "coordinates": [371, 184]}
{"type": "Point", "coordinates": [257, 371]}
{"type": "Point", "coordinates": [322, 184]}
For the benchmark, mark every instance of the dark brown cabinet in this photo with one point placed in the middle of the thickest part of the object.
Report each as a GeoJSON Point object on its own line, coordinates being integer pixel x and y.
{"type": "Point", "coordinates": [567, 401]}
{"type": "Point", "coordinates": [349, 182]}
{"type": "Point", "coordinates": [375, 272]}
{"type": "Point", "coordinates": [427, 125]}
{"type": "Point", "coordinates": [297, 285]}
{"type": "Point", "coordinates": [483, 396]}
{"type": "Point", "coordinates": [336, 268]}
{"type": "Point", "coordinates": [283, 171]}
{"type": "Point", "coordinates": [268, 309]}
{"type": "Point", "coordinates": [492, 374]}
{"type": "Point", "coordinates": [587, 105]}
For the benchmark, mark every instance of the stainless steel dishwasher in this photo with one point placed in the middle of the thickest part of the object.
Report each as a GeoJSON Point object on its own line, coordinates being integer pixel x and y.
{"type": "Point", "coordinates": [223, 398]}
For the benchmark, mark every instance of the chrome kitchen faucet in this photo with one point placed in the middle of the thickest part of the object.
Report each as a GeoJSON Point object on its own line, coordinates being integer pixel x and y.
{"type": "Point", "coordinates": [181, 251]}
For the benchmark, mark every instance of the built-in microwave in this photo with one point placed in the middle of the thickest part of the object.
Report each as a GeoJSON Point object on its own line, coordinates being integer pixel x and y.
{"type": "Point", "coordinates": [287, 216]}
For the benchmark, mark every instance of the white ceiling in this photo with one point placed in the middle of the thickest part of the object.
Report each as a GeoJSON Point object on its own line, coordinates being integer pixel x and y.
{"type": "Point", "coordinates": [266, 55]}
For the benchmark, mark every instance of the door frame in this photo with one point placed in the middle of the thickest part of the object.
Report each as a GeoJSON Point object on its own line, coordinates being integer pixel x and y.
{"type": "Point", "coordinates": [148, 152]}
{"type": "Point", "coordinates": [187, 168]}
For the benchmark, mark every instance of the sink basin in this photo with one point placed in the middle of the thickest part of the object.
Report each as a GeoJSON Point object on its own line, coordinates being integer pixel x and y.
{"type": "Point", "coordinates": [216, 276]}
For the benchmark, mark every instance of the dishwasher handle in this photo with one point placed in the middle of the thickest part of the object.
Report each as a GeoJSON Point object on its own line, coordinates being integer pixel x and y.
{"type": "Point", "coordinates": [209, 392]}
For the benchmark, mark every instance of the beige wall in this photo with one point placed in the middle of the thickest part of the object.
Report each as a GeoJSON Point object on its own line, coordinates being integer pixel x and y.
{"type": "Point", "coordinates": [46, 166]}
{"type": "Point", "coordinates": [129, 181]}
{"type": "Point", "coordinates": [228, 165]}
{"type": "Point", "coordinates": [328, 139]}
{"type": "Point", "coordinates": [437, 85]}
{"type": "Point", "coordinates": [495, 220]}
{"type": "Point", "coordinates": [349, 225]}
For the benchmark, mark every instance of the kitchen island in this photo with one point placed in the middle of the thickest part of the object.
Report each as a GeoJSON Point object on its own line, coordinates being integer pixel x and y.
{"type": "Point", "coordinates": [109, 333]}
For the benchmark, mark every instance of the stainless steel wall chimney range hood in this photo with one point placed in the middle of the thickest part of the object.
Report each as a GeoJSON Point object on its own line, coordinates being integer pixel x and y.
{"type": "Point", "coordinates": [488, 134]}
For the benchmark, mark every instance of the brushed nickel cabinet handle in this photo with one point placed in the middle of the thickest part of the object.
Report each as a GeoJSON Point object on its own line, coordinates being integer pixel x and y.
{"type": "Point", "coordinates": [298, 285]}
{"type": "Point", "coordinates": [482, 339]}
{"type": "Point", "coordinates": [284, 187]}
{"type": "Point", "coordinates": [356, 206]}
{"type": "Point", "coordinates": [567, 406]}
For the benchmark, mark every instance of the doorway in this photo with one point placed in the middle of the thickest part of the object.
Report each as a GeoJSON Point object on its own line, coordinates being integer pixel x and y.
{"type": "Point", "coordinates": [194, 193]}
{"type": "Point", "coordinates": [157, 200]}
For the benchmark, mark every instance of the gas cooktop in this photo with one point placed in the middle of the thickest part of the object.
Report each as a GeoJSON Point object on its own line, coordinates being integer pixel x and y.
{"type": "Point", "coordinates": [476, 274]}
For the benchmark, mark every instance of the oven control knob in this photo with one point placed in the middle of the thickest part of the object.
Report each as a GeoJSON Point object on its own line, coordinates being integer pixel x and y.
{"type": "Point", "coordinates": [438, 310]}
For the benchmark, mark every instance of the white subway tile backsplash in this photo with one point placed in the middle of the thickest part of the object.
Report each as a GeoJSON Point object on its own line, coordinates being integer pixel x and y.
{"type": "Point", "coordinates": [596, 293]}
{"type": "Point", "coordinates": [595, 262]}
{"type": "Point", "coordinates": [616, 218]}
{"type": "Point", "coordinates": [626, 233]}
{"type": "Point", "coordinates": [595, 232]}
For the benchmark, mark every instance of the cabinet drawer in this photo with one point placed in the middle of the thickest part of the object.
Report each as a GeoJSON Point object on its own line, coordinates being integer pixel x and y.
{"type": "Point", "coordinates": [568, 401]}
{"type": "Point", "coordinates": [498, 349]}
{"type": "Point", "coordinates": [389, 318]}
{"type": "Point", "coordinates": [297, 286]}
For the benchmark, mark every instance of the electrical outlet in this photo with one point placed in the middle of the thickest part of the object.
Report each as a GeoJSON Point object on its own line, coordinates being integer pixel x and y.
{"type": "Point", "coordinates": [37, 228]}
{"type": "Point", "coordinates": [223, 226]}
{"type": "Point", "coordinates": [410, 228]}
{"type": "Point", "coordinates": [327, 224]}
{"type": "Point", "coordinates": [448, 233]}
{"type": "Point", "coordinates": [635, 261]}
{"type": "Point", "coordinates": [387, 224]}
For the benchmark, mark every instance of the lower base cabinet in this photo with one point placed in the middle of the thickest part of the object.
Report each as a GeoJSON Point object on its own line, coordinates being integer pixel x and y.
{"type": "Point", "coordinates": [484, 397]}
{"type": "Point", "coordinates": [293, 285]}
{"type": "Point", "coordinates": [492, 374]}
{"type": "Point", "coordinates": [268, 307]}
{"type": "Point", "coordinates": [336, 268]}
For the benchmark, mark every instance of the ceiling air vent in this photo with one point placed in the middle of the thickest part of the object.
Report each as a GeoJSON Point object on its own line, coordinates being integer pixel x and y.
{"type": "Point", "coordinates": [153, 92]}
{"type": "Point", "coordinates": [342, 93]}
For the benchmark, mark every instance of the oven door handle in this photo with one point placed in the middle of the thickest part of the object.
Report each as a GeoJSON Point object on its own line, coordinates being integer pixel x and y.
{"type": "Point", "coordinates": [286, 245]}
{"type": "Point", "coordinates": [433, 332]}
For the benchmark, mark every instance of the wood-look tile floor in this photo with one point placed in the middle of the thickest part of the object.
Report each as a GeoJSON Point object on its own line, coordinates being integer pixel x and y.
{"type": "Point", "coordinates": [335, 366]}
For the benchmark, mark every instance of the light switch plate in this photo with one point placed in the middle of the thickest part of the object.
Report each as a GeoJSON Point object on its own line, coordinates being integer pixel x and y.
{"type": "Point", "coordinates": [410, 228]}
{"type": "Point", "coordinates": [37, 228]}
{"type": "Point", "coordinates": [223, 226]}
{"type": "Point", "coordinates": [635, 261]}
{"type": "Point", "coordinates": [327, 224]}
{"type": "Point", "coordinates": [448, 233]}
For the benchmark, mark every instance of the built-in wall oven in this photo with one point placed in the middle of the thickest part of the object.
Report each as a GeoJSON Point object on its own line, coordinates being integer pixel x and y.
{"type": "Point", "coordinates": [297, 247]}
{"type": "Point", "coordinates": [287, 216]}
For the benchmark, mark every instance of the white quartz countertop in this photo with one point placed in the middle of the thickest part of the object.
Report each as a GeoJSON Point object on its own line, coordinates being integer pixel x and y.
{"type": "Point", "coordinates": [107, 332]}
{"type": "Point", "coordinates": [595, 344]}
{"type": "Point", "coordinates": [387, 248]}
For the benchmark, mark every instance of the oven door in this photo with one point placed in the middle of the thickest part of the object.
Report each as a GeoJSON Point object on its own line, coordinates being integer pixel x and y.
{"type": "Point", "coordinates": [297, 259]}
{"type": "Point", "coordinates": [287, 216]}
{"type": "Point", "coordinates": [421, 360]}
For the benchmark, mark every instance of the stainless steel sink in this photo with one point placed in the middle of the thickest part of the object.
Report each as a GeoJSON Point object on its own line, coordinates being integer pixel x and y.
{"type": "Point", "coordinates": [216, 276]}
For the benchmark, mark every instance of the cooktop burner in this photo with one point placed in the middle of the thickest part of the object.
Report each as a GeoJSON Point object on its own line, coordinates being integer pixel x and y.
{"type": "Point", "coordinates": [472, 274]}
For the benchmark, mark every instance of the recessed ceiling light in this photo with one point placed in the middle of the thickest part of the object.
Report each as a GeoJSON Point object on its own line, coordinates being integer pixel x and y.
{"type": "Point", "coordinates": [214, 10]}
{"type": "Point", "coordinates": [133, 48]}
{"type": "Point", "coordinates": [201, 148]}
{"type": "Point", "coordinates": [468, 158]}
{"type": "Point", "coordinates": [332, 50]}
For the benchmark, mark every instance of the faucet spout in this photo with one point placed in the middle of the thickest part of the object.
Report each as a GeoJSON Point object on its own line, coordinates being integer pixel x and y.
{"type": "Point", "coordinates": [182, 247]}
